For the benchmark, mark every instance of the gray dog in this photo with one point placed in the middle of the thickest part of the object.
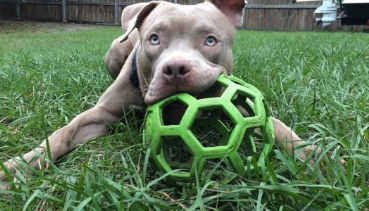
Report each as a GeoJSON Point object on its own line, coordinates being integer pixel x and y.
{"type": "Point", "coordinates": [166, 48]}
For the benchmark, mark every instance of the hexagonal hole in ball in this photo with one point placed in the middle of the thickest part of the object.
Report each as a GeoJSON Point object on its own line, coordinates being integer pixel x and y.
{"type": "Point", "coordinates": [212, 127]}
{"type": "Point", "coordinates": [173, 112]}
{"type": "Point", "coordinates": [250, 147]}
{"type": "Point", "coordinates": [244, 104]}
{"type": "Point", "coordinates": [176, 153]}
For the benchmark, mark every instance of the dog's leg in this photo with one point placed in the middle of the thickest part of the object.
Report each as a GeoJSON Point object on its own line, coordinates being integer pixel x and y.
{"type": "Point", "coordinates": [119, 52]}
{"type": "Point", "coordinates": [286, 137]}
{"type": "Point", "coordinates": [89, 124]}
{"type": "Point", "coordinates": [117, 56]}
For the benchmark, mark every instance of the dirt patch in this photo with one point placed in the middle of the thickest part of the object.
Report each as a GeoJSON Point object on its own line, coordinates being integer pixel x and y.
{"type": "Point", "coordinates": [8, 27]}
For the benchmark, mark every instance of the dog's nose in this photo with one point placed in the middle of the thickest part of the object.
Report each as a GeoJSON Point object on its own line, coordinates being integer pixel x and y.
{"type": "Point", "coordinates": [176, 71]}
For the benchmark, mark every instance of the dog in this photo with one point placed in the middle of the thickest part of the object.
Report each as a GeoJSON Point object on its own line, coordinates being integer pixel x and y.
{"type": "Point", "coordinates": [167, 48]}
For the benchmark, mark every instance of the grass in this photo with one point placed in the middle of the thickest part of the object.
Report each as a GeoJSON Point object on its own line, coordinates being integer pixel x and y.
{"type": "Point", "coordinates": [316, 82]}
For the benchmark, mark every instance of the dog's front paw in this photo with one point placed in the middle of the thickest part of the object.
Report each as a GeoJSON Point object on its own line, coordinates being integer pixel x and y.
{"type": "Point", "coordinates": [3, 175]}
{"type": "Point", "coordinates": [4, 184]}
{"type": "Point", "coordinates": [8, 174]}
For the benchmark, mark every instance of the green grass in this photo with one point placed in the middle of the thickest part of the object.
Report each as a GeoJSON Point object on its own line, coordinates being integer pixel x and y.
{"type": "Point", "coordinates": [316, 82]}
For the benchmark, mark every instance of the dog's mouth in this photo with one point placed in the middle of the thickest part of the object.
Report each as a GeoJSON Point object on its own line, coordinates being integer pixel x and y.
{"type": "Point", "coordinates": [173, 112]}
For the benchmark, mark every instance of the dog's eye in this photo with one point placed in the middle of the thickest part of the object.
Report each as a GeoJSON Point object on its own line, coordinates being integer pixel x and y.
{"type": "Point", "coordinates": [210, 41]}
{"type": "Point", "coordinates": [154, 39]}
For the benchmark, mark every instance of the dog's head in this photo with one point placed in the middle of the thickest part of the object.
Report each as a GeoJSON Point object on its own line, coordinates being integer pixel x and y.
{"type": "Point", "coordinates": [183, 48]}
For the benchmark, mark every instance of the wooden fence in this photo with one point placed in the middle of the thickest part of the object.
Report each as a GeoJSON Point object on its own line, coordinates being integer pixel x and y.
{"type": "Point", "coordinates": [259, 15]}
{"type": "Point", "coordinates": [80, 11]}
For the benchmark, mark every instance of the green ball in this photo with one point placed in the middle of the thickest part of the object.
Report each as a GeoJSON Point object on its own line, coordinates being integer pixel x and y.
{"type": "Point", "coordinates": [209, 130]}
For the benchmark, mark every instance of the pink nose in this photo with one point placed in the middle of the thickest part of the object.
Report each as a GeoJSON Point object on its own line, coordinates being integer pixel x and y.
{"type": "Point", "coordinates": [176, 71]}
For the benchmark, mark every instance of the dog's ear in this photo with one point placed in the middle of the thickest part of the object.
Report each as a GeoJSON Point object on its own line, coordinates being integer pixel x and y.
{"type": "Point", "coordinates": [129, 13]}
{"type": "Point", "coordinates": [137, 20]}
{"type": "Point", "coordinates": [231, 8]}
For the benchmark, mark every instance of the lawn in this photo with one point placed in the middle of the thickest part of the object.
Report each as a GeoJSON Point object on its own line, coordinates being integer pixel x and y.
{"type": "Point", "coordinates": [316, 82]}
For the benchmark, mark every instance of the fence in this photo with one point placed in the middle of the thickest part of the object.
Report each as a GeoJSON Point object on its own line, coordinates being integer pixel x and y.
{"type": "Point", "coordinates": [81, 11]}
{"type": "Point", "coordinates": [259, 15]}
